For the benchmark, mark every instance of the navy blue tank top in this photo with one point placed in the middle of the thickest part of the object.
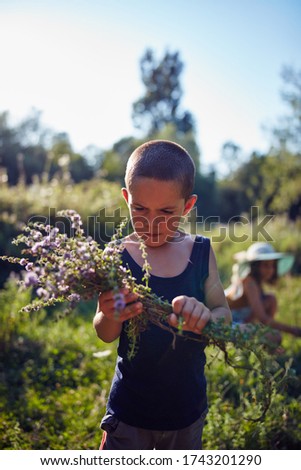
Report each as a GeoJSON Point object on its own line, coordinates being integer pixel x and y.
{"type": "Point", "coordinates": [163, 387]}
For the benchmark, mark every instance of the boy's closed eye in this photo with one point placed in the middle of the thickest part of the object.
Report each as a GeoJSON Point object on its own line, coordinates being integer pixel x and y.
{"type": "Point", "coordinates": [167, 211]}
{"type": "Point", "coordinates": [141, 209]}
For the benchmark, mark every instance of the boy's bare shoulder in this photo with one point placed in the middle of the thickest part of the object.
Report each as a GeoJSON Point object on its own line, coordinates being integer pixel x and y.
{"type": "Point", "coordinates": [132, 237]}
{"type": "Point", "coordinates": [132, 244]}
{"type": "Point", "coordinates": [130, 240]}
{"type": "Point", "coordinates": [186, 238]}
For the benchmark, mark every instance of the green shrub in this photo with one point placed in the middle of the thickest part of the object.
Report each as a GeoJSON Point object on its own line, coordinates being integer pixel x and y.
{"type": "Point", "coordinates": [53, 389]}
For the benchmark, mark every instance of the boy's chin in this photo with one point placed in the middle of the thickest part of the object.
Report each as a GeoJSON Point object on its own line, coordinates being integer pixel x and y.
{"type": "Point", "coordinates": [154, 241]}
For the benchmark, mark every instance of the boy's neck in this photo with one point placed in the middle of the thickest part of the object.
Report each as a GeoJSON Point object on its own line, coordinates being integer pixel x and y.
{"type": "Point", "coordinates": [167, 260]}
{"type": "Point", "coordinates": [177, 237]}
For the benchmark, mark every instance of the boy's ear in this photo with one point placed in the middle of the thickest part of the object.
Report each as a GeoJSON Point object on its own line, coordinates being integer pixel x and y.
{"type": "Point", "coordinates": [190, 203]}
{"type": "Point", "coordinates": [125, 194]}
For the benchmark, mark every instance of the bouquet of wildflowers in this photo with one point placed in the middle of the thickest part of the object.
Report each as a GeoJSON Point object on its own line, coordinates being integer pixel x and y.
{"type": "Point", "coordinates": [68, 269]}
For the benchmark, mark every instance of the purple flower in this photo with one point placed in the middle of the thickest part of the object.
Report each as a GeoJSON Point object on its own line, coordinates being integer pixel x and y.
{"type": "Point", "coordinates": [54, 232]}
{"type": "Point", "coordinates": [63, 287]}
{"type": "Point", "coordinates": [76, 221]}
{"type": "Point", "coordinates": [43, 293]}
{"type": "Point", "coordinates": [31, 279]}
{"type": "Point", "coordinates": [73, 297]}
{"type": "Point", "coordinates": [119, 302]}
{"type": "Point", "coordinates": [46, 241]}
{"type": "Point", "coordinates": [36, 247]}
{"type": "Point", "coordinates": [36, 235]}
{"type": "Point", "coordinates": [23, 262]}
{"type": "Point", "coordinates": [29, 267]}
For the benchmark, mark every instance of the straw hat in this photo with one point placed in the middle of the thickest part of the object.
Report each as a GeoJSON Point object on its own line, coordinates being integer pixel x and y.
{"type": "Point", "coordinates": [262, 251]}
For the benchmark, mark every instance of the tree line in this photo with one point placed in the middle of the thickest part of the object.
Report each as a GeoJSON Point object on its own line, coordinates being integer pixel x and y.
{"type": "Point", "coordinates": [29, 151]}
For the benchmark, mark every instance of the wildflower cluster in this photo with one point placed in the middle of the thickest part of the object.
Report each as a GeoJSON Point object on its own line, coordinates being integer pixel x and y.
{"type": "Point", "coordinates": [68, 269]}
{"type": "Point", "coordinates": [65, 269]}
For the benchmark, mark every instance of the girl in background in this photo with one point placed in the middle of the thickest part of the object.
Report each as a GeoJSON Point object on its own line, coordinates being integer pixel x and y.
{"type": "Point", "coordinates": [247, 300]}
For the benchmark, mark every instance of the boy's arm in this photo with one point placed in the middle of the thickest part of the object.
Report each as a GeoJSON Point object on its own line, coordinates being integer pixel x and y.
{"type": "Point", "coordinates": [108, 327]}
{"type": "Point", "coordinates": [215, 298]}
{"type": "Point", "coordinates": [107, 330]}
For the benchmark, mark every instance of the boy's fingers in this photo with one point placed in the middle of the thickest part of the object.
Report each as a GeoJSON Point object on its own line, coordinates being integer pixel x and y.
{"type": "Point", "coordinates": [131, 297]}
{"type": "Point", "coordinates": [109, 295]}
{"type": "Point", "coordinates": [182, 306]}
{"type": "Point", "coordinates": [191, 313]}
{"type": "Point", "coordinates": [202, 320]}
{"type": "Point", "coordinates": [128, 312]}
{"type": "Point", "coordinates": [104, 296]}
{"type": "Point", "coordinates": [173, 320]}
{"type": "Point", "coordinates": [132, 310]}
{"type": "Point", "coordinates": [178, 304]}
{"type": "Point", "coordinates": [195, 314]}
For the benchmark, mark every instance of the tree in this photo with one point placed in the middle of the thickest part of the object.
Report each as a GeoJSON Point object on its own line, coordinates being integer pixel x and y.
{"type": "Point", "coordinates": [285, 156]}
{"type": "Point", "coordinates": [31, 132]}
{"type": "Point", "coordinates": [28, 150]}
{"type": "Point", "coordinates": [67, 163]}
{"type": "Point", "coordinates": [160, 104]}
{"type": "Point", "coordinates": [288, 131]}
{"type": "Point", "coordinates": [249, 181]}
{"type": "Point", "coordinates": [22, 148]}
{"type": "Point", "coordinates": [9, 149]}
{"type": "Point", "coordinates": [231, 157]}
{"type": "Point", "coordinates": [115, 160]}
{"type": "Point", "coordinates": [272, 181]}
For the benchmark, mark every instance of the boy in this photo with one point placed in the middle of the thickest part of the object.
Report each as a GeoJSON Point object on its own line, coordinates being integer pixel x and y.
{"type": "Point", "coordinates": [158, 398]}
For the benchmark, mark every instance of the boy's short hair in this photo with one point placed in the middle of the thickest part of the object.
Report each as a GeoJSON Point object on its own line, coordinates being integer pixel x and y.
{"type": "Point", "coordinates": [162, 160]}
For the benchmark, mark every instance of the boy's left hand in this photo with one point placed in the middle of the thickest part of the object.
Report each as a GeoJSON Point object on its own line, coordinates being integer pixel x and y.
{"type": "Point", "coordinates": [194, 313]}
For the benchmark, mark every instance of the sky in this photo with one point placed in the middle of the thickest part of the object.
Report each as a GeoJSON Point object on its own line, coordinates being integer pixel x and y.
{"type": "Point", "coordinates": [77, 61]}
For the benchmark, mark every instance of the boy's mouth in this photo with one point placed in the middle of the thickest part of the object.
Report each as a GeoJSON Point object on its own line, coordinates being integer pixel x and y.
{"type": "Point", "coordinates": [151, 235]}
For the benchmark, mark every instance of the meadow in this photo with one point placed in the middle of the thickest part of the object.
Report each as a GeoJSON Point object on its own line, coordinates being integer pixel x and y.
{"type": "Point", "coordinates": [55, 373]}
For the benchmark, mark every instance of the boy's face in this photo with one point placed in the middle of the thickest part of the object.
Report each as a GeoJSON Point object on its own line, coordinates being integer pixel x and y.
{"type": "Point", "coordinates": [156, 208]}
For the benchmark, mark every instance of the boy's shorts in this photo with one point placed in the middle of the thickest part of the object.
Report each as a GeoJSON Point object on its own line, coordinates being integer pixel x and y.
{"type": "Point", "coordinates": [120, 436]}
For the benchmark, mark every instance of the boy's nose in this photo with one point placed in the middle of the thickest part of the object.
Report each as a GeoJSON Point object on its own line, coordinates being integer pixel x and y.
{"type": "Point", "coordinates": [149, 223]}
{"type": "Point", "coordinates": [154, 223]}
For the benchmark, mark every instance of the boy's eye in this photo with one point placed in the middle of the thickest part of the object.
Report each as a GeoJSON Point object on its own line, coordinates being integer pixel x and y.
{"type": "Point", "coordinates": [141, 209]}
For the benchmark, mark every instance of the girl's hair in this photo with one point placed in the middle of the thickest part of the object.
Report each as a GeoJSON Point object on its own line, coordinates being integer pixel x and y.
{"type": "Point", "coordinates": [162, 160]}
{"type": "Point", "coordinates": [255, 272]}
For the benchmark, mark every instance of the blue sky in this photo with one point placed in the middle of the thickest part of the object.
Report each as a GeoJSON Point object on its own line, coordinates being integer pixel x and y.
{"type": "Point", "coordinates": [78, 62]}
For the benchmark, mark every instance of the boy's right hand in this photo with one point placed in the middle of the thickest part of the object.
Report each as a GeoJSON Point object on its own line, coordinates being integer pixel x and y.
{"type": "Point", "coordinates": [107, 305]}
